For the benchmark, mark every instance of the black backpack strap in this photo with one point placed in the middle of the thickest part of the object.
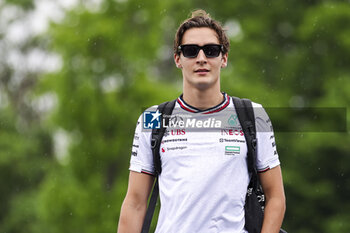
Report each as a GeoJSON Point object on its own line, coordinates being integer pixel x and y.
{"type": "Point", "coordinates": [166, 109]}
{"type": "Point", "coordinates": [245, 113]}
{"type": "Point", "coordinates": [151, 207]}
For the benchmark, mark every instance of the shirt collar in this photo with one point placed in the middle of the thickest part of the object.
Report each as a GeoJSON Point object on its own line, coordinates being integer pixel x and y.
{"type": "Point", "coordinates": [216, 108]}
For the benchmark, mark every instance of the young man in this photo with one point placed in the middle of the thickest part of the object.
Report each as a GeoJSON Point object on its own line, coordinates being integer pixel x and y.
{"type": "Point", "coordinates": [204, 176]}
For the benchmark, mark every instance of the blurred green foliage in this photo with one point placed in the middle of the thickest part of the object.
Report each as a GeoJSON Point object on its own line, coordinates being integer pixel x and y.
{"type": "Point", "coordinates": [117, 59]}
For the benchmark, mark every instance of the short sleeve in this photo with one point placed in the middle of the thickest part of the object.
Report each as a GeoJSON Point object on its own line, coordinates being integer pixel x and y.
{"type": "Point", "coordinates": [267, 156]}
{"type": "Point", "coordinates": [141, 152]}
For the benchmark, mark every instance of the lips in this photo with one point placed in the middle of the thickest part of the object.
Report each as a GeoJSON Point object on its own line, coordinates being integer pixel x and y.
{"type": "Point", "coordinates": [201, 71]}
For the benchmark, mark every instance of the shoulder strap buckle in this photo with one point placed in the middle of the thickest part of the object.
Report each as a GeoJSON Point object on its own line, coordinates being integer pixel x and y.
{"type": "Point", "coordinates": [153, 143]}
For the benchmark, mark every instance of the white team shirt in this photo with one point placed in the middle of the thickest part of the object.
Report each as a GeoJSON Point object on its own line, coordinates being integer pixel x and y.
{"type": "Point", "coordinates": [204, 176]}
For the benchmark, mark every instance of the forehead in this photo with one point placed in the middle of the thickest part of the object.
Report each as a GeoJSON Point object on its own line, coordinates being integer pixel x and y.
{"type": "Point", "coordinates": [200, 36]}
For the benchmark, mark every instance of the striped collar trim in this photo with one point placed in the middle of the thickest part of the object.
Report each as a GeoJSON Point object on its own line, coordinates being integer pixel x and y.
{"type": "Point", "coordinates": [217, 108]}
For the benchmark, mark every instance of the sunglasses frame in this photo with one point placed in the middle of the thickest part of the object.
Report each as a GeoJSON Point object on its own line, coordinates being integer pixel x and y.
{"type": "Point", "coordinates": [180, 49]}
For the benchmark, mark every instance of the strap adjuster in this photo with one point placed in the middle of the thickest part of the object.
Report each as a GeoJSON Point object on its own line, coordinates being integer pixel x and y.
{"type": "Point", "coordinates": [153, 143]}
{"type": "Point", "coordinates": [254, 142]}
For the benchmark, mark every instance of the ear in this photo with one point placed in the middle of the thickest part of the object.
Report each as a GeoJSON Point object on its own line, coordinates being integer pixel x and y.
{"type": "Point", "coordinates": [224, 60]}
{"type": "Point", "coordinates": [177, 61]}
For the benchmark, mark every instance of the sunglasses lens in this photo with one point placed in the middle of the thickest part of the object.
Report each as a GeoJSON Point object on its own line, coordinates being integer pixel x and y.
{"type": "Point", "coordinates": [212, 50]}
{"type": "Point", "coordinates": [190, 50]}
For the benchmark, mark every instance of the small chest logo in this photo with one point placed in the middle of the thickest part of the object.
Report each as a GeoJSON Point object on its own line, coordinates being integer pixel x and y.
{"type": "Point", "coordinates": [178, 132]}
{"type": "Point", "coordinates": [233, 121]}
{"type": "Point", "coordinates": [232, 132]}
{"type": "Point", "coordinates": [232, 150]}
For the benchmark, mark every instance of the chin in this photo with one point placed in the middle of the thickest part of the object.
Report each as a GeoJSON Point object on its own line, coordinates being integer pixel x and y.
{"type": "Point", "coordinates": [204, 85]}
{"type": "Point", "coordinates": [201, 82]}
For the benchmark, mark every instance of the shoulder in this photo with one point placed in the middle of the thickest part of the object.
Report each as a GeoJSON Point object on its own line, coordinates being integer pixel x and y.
{"type": "Point", "coordinates": [151, 108]}
{"type": "Point", "coordinates": [256, 106]}
{"type": "Point", "coordinates": [261, 117]}
{"type": "Point", "coordinates": [259, 111]}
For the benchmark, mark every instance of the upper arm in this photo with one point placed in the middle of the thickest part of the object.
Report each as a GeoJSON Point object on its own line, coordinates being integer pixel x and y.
{"type": "Point", "coordinates": [139, 188]}
{"type": "Point", "coordinates": [135, 203]}
{"type": "Point", "coordinates": [267, 156]}
{"type": "Point", "coordinates": [272, 184]}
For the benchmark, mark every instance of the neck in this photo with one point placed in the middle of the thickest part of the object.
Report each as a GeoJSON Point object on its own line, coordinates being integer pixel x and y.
{"type": "Point", "coordinates": [203, 99]}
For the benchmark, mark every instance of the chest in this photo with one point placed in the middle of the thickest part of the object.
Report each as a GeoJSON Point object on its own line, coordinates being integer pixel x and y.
{"type": "Point", "coordinates": [204, 149]}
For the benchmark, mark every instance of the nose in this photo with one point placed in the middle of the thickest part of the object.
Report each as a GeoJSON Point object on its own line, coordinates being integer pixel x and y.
{"type": "Point", "coordinates": [201, 58]}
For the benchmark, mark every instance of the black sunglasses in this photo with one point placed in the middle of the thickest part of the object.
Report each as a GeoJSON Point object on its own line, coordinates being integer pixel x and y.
{"type": "Point", "coordinates": [192, 50]}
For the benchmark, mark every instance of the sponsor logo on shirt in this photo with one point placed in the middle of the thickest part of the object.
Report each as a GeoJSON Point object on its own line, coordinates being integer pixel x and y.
{"type": "Point", "coordinates": [177, 148]}
{"type": "Point", "coordinates": [173, 148]}
{"type": "Point", "coordinates": [134, 153]}
{"type": "Point", "coordinates": [178, 132]}
{"type": "Point", "coordinates": [174, 140]}
{"type": "Point", "coordinates": [232, 150]}
{"type": "Point", "coordinates": [174, 132]}
{"type": "Point", "coordinates": [233, 120]}
{"type": "Point", "coordinates": [231, 140]}
{"type": "Point", "coordinates": [233, 132]}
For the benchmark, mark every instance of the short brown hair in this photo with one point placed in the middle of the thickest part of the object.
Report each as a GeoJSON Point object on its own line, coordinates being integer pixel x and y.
{"type": "Point", "coordinates": [199, 19]}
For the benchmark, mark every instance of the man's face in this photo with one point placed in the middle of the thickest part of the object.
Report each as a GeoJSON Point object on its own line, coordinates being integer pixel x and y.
{"type": "Point", "coordinates": [200, 72]}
